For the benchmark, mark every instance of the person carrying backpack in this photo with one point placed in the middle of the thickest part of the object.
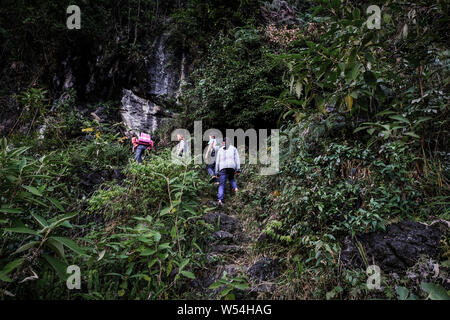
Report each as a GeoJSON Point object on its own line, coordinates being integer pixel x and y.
{"type": "Point", "coordinates": [141, 144]}
{"type": "Point", "coordinates": [227, 165]}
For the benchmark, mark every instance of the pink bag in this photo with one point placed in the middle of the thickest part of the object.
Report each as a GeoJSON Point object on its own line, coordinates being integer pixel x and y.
{"type": "Point", "coordinates": [145, 138]}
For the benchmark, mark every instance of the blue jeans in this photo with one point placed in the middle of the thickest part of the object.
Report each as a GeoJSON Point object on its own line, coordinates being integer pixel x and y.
{"type": "Point", "coordinates": [224, 175]}
{"type": "Point", "coordinates": [140, 150]}
{"type": "Point", "coordinates": [211, 168]}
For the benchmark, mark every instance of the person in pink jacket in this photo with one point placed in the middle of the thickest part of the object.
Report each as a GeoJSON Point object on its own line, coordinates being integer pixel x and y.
{"type": "Point", "coordinates": [141, 144]}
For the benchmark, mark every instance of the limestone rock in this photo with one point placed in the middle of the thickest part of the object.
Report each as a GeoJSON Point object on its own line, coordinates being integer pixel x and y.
{"type": "Point", "coordinates": [397, 248]}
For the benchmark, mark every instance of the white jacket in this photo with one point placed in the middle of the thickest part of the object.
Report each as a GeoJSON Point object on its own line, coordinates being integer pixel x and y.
{"type": "Point", "coordinates": [227, 158]}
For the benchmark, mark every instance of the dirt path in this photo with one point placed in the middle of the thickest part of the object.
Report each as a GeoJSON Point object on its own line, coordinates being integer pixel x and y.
{"type": "Point", "coordinates": [232, 255]}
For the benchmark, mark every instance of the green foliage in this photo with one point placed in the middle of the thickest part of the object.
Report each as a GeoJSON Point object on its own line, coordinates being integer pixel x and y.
{"type": "Point", "coordinates": [107, 201]}
{"type": "Point", "coordinates": [348, 68]}
{"type": "Point", "coordinates": [32, 214]}
{"type": "Point", "coordinates": [364, 144]}
{"type": "Point", "coordinates": [34, 104]}
{"type": "Point", "coordinates": [28, 184]}
{"type": "Point", "coordinates": [434, 291]}
{"type": "Point", "coordinates": [228, 286]}
{"type": "Point", "coordinates": [208, 18]}
{"type": "Point", "coordinates": [228, 89]}
{"type": "Point", "coordinates": [158, 251]}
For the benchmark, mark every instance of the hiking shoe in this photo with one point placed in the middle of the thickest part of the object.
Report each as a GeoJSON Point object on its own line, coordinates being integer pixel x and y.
{"type": "Point", "coordinates": [219, 203]}
{"type": "Point", "coordinates": [213, 179]}
{"type": "Point", "coordinates": [236, 190]}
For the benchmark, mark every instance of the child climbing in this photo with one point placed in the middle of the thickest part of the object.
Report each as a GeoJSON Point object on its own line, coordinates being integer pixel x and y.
{"type": "Point", "coordinates": [141, 144]}
{"type": "Point", "coordinates": [227, 165]}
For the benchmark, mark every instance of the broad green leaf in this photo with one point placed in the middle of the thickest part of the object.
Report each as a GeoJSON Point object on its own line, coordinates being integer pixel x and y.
{"type": "Point", "coordinates": [12, 265]}
{"type": "Point", "coordinates": [21, 230]}
{"type": "Point", "coordinates": [400, 118]}
{"type": "Point", "coordinates": [412, 134]}
{"type": "Point", "coordinates": [69, 244]}
{"type": "Point", "coordinates": [59, 266]}
{"type": "Point", "coordinates": [164, 246]}
{"type": "Point", "coordinates": [147, 252]}
{"type": "Point", "coordinates": [4, 277]}
{"type": "Point", "coordinates": [360, 129]}
{"type": "Point", "coordinates": [241, 286]}
{"type": "Point", "coordinates": [188, 274]}
{"type": "Point", "coordinates": [10, 210]}
{"type": "Point", "coordinates": [40, 220]}
{"type": "Point", "coordinates": [57, 204]}
{"type": "Point", "coordinates": [183, 264]}
{"type": "Point", "coordinates": [27, 246]}
{"type": "Point", "coordinates": [356, 14]}
{"type": "Point", "coordinates": [61, 220]}
{"type": "Point", "coordinates": [33, 190]}
{"type": "Point", "coordinates": [402, 293]}
{"type": "Point", "coordinates": [4, 145]}
{"type": "Point", "coordinates": [215, 285]}
{"type": "Point", "coordinates": [435, 291]}
{"type": "Point", "coordinates": [165, 211]}
{"type": "Point", "coordinates": [57, 247]}
{"type": "Point", "coordinates": [22, 165]}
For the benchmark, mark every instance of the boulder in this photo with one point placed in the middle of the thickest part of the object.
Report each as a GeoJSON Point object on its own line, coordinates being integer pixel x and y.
{"type": "Point", "coordinates": [265, 269]}
{"type": "Point", "coordinates": [139, 114]}
{"type": "Point", "coordinates": [397, 248]}
{"type": "Point", "coordinates": [223, 236]}
{"type": "Point", "coordinates": [226, 223]}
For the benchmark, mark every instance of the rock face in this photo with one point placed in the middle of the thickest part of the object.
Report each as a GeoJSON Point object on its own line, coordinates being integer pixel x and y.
{"type": "Point", "coordinates": [139, 114]}
{"type": "Point", "coordinates": [265, 269]}
{"type": "Point", "coordinates": [145, 85]}
{"type": "Point", "coordinates": [165, 69]}
{"type": "Point", "coordinates": [396, 249]}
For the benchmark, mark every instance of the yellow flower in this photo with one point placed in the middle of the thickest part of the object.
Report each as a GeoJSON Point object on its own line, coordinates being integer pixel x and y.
{"type": "Point", "coordinates": [87, 130]}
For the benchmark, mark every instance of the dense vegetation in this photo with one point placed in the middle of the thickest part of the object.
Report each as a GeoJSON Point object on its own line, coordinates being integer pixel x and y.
{"type": "Point", "coordinates": [364, 125]}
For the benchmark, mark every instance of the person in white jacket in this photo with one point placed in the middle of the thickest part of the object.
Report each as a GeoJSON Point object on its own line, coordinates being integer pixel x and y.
{"type": "Point", "coordinates": [227, 165]}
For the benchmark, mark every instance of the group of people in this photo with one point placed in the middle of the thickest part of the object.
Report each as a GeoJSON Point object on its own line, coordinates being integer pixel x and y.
{"type": "Point", "coordinates": [222, 160]}
{"type": "Point", "coordinates": [222, 164]}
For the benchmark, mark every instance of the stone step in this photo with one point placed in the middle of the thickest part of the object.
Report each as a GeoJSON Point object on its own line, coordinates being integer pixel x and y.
{"type": "Point", "coordinates": [225, 222]}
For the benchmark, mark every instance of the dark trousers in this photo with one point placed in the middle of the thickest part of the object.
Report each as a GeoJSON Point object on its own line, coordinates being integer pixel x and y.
{"type": "Point", "coordinates": [224, 175]}
{"type": "Point", "coordinates": [140, 150]}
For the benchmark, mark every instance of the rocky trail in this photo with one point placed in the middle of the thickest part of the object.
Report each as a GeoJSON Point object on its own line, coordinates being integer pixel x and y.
{"type": "Point", "coordinates": [234, 254]}
{"type": "Point", "coordinates": [231, 256]}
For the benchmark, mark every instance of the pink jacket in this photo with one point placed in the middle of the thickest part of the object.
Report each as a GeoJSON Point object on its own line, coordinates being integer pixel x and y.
{"type": "Point", "coordinates": [144, 139]}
